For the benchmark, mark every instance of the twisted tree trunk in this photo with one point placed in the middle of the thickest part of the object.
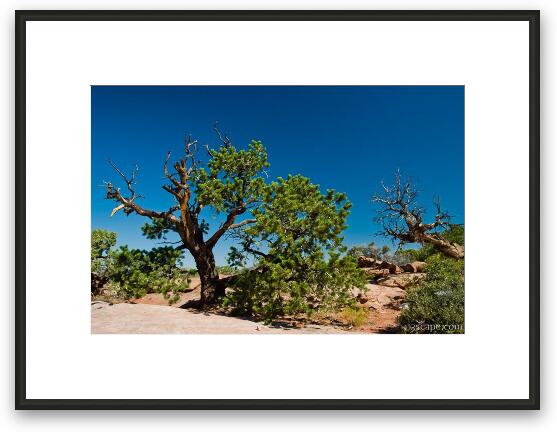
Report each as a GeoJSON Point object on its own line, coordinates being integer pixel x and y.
{"type": "Point", "coordinates": [402, 218]}
{"type": "Point", "coordinates": [184, 219]}
{"type": "Point", "coordinates": [450, 249]}
{"type": "Point", "coordinates": [211, 287]}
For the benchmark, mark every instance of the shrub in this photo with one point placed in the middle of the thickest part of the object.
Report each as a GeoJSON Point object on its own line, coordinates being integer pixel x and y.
{"type": "Point", "coordinates": [383, 253]}
{"type": "Point", "coordinates": [421, 254]}
{"type": "Point", "coordinates": [371, 250]}
{"type": "Point", "coordinates": [190, 271]}
{"type": "Point", "coordinates": [102, 242]}
{"type": "Point", "coordinates": [454, 234]}
{"type": "Point", "coordinates": [139, 272]}
{"type": "Point", "coordinates": [355, 316]}
{"type": "Point", "coordinates": [436, 304]}
{"type": "Point", "coordinates": [300, 262]}
{"type": "Point", "coordinates": [288, 288]}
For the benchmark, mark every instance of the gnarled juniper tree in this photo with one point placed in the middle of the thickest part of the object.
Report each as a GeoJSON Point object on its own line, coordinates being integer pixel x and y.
{"type": "Point", "coordinates": [402, 219]}
{"type": "Point", "coordinates": [231, 183]}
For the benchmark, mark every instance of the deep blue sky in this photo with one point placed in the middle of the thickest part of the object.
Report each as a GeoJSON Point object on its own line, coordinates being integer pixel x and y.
{"type": "Point", "coordinates": [345, 138]}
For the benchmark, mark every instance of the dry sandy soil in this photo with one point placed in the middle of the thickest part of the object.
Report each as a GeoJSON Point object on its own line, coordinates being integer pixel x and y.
{"type": "Point", "coordinates": [125, 318]}
{"type": "Point", "coordinates": [152, 315]}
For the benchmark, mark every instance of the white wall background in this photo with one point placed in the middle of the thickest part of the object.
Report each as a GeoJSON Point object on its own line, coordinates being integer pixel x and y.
{"type": "Point", "coordinates": [247, 421]}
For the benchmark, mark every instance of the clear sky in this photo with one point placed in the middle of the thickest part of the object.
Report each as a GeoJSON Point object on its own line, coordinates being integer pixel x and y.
{"type": "Point", "coordinates": [344, 138]}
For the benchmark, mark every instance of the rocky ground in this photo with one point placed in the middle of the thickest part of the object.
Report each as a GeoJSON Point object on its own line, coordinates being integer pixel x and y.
{"type": "Point", "coordinates": [382, 301]}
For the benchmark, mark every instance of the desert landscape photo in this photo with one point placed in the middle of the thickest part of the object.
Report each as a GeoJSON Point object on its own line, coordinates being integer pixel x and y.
{"type": "Point", "coordinates": [277, 209]}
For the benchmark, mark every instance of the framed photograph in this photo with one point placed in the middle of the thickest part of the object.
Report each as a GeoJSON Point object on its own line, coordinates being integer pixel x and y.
{"type": "Point", "coordinates": [270, 210]}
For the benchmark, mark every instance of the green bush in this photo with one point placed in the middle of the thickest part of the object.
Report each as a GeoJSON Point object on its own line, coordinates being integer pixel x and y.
{"type": "Point", "coordinates": [421, 254]}
{"type": "Point", "coordinates": [300, 262]}
{"type": "Point", "coordinates": [355, 316]}
{"type": "Point", "coordinates": [190, 271]}
{"type": "Point", "coordinates": [371, 250]}
{"type": "Point", "coordinates": [436, 304]}
{"type": "Point", "coordinates": [287, 287]}
{"type": "Point", "coordinates": [454, 234]}
{"type": "Point", "coordinates": [102, 242]}
{"type": "Point", "coordinates": [383, 253]}
{"type": "Point", "coordinates": [139, 272]}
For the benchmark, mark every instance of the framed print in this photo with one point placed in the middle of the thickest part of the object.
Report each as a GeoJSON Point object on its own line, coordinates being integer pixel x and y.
{"type": "Point", "coordinates": [272, 209]}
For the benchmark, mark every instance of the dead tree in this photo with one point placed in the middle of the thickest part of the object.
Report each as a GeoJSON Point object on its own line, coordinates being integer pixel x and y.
{"type": "Point", "coordinates": [402, 218]}
{"type": "Point", "coordinates": [231, 184]}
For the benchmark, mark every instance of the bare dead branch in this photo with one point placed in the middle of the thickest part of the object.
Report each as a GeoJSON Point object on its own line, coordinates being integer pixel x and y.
{"type": "Point", "coordinates": [224, 139]}
{"type": "Point", "coordinates": [170, 242]}
{"type": "Point", "coordinates": [402, 218]}
{"type": "Point", "coordinates": [129, 182]}
{"type": "Point", "coordinates": [243, 223]}
{"type": "Point", "coordinates": [183, 216]}
{"type": "Point", "coordinates": [127, 204]}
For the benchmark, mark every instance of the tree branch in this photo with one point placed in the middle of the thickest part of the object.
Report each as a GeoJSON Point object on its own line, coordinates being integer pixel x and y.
{"type": "Point", "coordinates": [256, 252]}
{"type": "Point", "coordinates": [224, 139]}
{"type": "Point", "coordinates": [228, 223]}
{"type": "Point", "coordinates": [129, 182]}
{"type": "Point", "coordinates": [402, 218]}
{"type": "Point", "coordinates": [128, 204]}
{"type": "Point", "coordinates": [241, 224]}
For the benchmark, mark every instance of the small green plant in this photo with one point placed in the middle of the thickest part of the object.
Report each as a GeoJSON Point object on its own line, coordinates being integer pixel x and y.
{"type": "Point", "coordinates": [454, 233]}
{"type": "Point", "coordinates": [355, 316]}
{"type": "Point", "coordinates": [436, 304]}
{"type": "Point", "coordinates": [383, 253]}
{"type": "Point", "coordinates": [139, 272]}
{"type": "Point", "coordinates": [102, 242]}
{"type": "Point", "coordinates": [420, 254]}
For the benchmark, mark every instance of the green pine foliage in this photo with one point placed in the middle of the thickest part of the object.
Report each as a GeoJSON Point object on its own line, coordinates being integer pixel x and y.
{"type": "Point", "coordinates": [226, 270]}
{"type": "Point", "coordinates": [232, 176]}
{"type": "Point", "coordinates": [102, 242]}
{"type": "Point", "coordinates": [157, 229]}
{"type": "Point", "coordinates": [301, 263]}
{"type": "Point", "coordinates": [139, 272]}
{"type": "Point", "coordinates": [231, 182]}
{"type": "Point", "coordinates": [436, 304]}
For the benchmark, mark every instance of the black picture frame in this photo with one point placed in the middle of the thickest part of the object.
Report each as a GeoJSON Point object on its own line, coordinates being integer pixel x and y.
{"type": "Point", "coordinates": [533, 18]}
